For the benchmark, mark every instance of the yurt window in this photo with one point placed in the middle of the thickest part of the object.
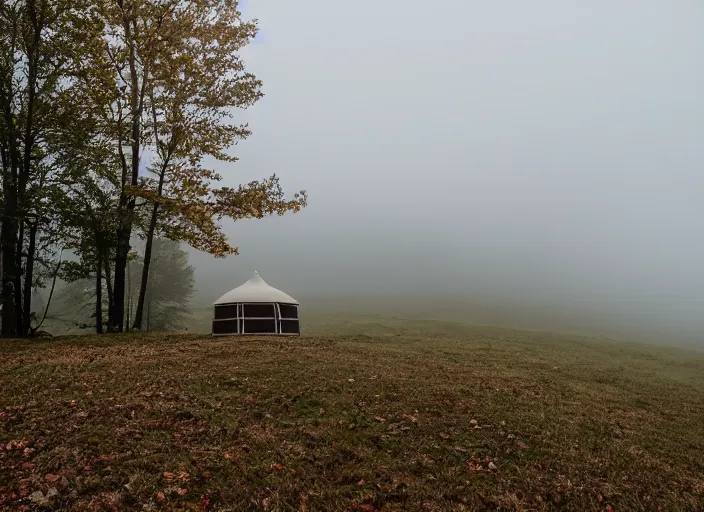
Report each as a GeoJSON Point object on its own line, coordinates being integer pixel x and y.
{"type": "Point", "coordinates": [289, 327]}
{"type": "Point", "coordinates": [225, 327]}
{"type": "Point", "coordinates": [259, 311]}
{"type": "Point", "coordinates": [259, 326]}
{"type": "Point", "coordinates": [288, 311]}
{"type": "Point", "coordinates": [223, 312]}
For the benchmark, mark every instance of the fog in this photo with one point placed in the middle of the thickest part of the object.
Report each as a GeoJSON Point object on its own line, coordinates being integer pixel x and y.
{"type": "Point", "coordinates": [542, 152]}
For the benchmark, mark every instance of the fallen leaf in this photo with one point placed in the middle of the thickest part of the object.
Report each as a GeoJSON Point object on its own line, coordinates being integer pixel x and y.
{"type": "Point", "coordinates": [367, 508]}
{"type": "Point", "coordinates": [37, 497]}
{"type": "Point", "coordinates": [609, 508]}
{"type": "Point", "coordinates": [475, 468]}
{"type": "Point", "coordinates": [16, 444]}
{"type": "Point", "coordinates": [169, 476]}
{"type": "Point", "coordinates": [278, 466]}
{"type": "Point", "coordinates": [361, 483]}
{"type": "Point", "coordinates": [444, 436]}
{"type": "Point", "coordinates": [380, 419]}
{"type": "Point", "coordinates": [160, 497]}
{"type": "Point", "coordinates": [410, 418]}
{"type": "Point", "coordinates": [228, 456]}
{"type": "Point", "coordinates": [104, 457]}
{"type": "Point", "coordinates": [181, 492]}
{"type": "Point", "coordinates": [52, 478]}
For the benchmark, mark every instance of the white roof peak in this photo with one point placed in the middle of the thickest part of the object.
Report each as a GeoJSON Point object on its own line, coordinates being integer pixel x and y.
{"type": "Point", "coordinates": [256, 290]}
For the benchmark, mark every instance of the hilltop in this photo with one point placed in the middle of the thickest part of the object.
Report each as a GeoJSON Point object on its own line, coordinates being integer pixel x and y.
{"type": "Point", "coordinates": [432, 416]}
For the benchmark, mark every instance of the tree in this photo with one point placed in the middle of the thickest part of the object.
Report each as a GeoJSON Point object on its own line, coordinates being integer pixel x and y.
{"type": "Point", "coordinates": [169, 289]}
{"type": "Point", "coordinates": [41, 45]}
{"type": "Point", "coordinates": [152, 77]}
{"type": "Point", "coordinates": [182, 76]}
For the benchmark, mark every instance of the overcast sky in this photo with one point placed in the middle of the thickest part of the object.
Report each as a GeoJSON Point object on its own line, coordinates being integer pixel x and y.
{"type": "Point", "coordinates": [542, 148]}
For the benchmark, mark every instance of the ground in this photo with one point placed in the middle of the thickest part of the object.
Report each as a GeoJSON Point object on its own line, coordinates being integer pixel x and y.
{"type": "Point", "coordinates": [390, 416]}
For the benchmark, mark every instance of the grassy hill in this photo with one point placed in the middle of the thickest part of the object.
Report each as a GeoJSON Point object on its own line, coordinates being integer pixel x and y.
{"type": "Point", "coordinates": [368, 413]}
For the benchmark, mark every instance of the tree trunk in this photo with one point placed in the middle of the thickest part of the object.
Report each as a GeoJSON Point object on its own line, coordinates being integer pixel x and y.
{"type": "Point", "coordinates": [99, 297]}
{"type": "Point", "coordinates": [8, 231]}
{"type": "Point", "coordinates": [117, 310]}
{"type": "Point", "coordinates": [32, 51]}
{"type": "Point", "coordinates": [129, 299]}
{"type": "Point", "coordinates": [19, 313]}
{"type": "Point", "coordinates": [28, 277]}
{"type": "Point", "coordinates": [8, 239]}
{"type": "Point", "coordinates": [51, 294]}
{"type": "Point", "coordinates": [127, 204]}
{"type": "Point", "coordinates": [108, 277]}
{"type": "Point", "coordinates": [147, 259]}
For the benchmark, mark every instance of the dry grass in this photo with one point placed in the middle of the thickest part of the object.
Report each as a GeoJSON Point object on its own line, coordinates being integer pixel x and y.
{"type": "Point", "coordinates": [431, 417]}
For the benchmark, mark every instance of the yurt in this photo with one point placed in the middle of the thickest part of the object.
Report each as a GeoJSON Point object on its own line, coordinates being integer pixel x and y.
{"type": "Point", "coordinates": [255, 308]}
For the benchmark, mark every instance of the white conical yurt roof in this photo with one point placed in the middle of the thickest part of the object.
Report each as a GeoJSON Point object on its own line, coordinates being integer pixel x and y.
{"type": "Point", "coordinates": [256, 290]}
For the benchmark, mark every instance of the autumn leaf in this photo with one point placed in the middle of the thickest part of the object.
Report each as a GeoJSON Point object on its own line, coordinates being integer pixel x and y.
{"type": "Point", "coordinates": [368, 508]}
{"type": "Point", "coordinates": [160, 497]}
{"type": "Point", "coordinates": [169, 476]}
{"type": "Point", "coordinates": [51, 478]}
{"type": "Point", "coordinates": [16, 444]}
{"type": "Point", "coordinates": [380, 419]}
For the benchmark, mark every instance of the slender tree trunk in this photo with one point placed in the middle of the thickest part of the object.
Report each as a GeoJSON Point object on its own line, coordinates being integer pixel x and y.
{"type": "Point", "coordinates": [28, 278]}
{"type": "Point", "coordinates": [108, 278]}
{"type": "Point", "coordinates": [138, 89]}
{"type": "Point", "coordinates": [51, 294]}
{"type": "Point", "coordinates": [129, 299]}
{"type": "Point", "coordinates": [10, 207]}
{"type": "Point", "coordinates": [8, 238]}
{"type": "Point", "coordinates": [19, 313]}
{"type": "Point", "coordinates": [99, 297]}
{"type": "Point", "coordinates": [33, 51]}
{"type": "Point", "coordinates": [117, 311]}
{"type": "Point", "coordinates": [147, 257]}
